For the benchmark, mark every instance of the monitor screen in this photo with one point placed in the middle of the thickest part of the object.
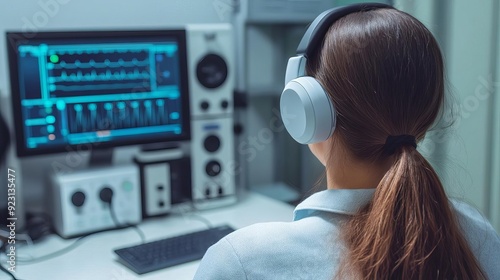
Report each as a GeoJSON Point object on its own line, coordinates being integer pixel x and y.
{"type": "Point", "coordinates": [104, 88]}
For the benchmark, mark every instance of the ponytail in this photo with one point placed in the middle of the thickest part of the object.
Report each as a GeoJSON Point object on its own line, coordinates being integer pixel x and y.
{"type": "Point", "coordinates": [409, 230]}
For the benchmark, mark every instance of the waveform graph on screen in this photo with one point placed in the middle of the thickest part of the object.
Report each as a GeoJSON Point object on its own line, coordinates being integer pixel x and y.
{"type": "Point", "coordinates": [109, 69]}
{"type": "Point", "coordinates": [144, 114]}
{"type": "Point", "coordinates": [98, 91]}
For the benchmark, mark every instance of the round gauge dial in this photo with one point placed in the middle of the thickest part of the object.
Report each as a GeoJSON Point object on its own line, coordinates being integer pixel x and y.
{"type": "Point", "coordinates": [212, 71]}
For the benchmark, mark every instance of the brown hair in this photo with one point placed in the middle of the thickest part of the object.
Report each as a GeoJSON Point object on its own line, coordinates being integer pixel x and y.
{"type": "Point", "coordinates": [384, 72]}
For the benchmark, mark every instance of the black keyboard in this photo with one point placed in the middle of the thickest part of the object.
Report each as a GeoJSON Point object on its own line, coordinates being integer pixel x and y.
{"type": "Point", "coordinates": [171, 251]}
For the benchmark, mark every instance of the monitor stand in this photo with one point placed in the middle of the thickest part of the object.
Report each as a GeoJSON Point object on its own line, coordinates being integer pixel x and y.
{"type": "Point", "coordinates": [161, 146]}
{"type": "Point", "coordinates": [101, 157]}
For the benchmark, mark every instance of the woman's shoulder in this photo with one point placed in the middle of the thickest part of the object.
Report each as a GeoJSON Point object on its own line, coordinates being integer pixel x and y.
{"type": "Point", "coordinates": [470, 218]}
{"type": "Point", "coordinates": [288, 249]}
{"type": "Point", "coordinates": [481, 236]}
{"type": "Point", "coordinates": [259, 235]}
{"type": "Point", "coordinates": [266, 237]}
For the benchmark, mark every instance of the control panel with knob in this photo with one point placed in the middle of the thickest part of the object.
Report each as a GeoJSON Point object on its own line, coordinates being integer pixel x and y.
{"type": "Point", "coordinates": [213, 165]}
{"type": "Point", "coordinates": [211, 84]}
{"type": "Point", "coordinates": [211, 69]}
{"type": "Point", "coordinates": [80, 202]}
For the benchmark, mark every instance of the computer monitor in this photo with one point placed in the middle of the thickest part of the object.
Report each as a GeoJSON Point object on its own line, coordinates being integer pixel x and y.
{"type": "Point", "coordinates": [103, 88]}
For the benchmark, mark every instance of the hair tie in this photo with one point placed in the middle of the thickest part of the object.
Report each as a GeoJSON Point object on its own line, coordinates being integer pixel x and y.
{"type": "Point", "coordinates": [392, 143]}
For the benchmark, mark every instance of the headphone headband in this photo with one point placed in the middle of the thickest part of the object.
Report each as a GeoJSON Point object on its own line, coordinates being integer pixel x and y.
{"type": "Point", "coordinates": [318, 28]}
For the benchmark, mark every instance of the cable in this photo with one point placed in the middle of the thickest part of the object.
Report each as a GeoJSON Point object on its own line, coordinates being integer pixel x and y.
{"type": "Point", "coordinates": [119, 226]}
{"type": "Point", "coordinates": [200, 218]}
{"type": "Point", "coordinates": [186, 211]}
{"type": "Point", "coordinates": [4, 233]}
{"type": "Point", "coordinates": [8, 272]}
{"type": "Point", "coordinates": [126, 225]}
{"type": "Point", "coordinates": [106, 195]}
{"type": "Point", "coordinates": [56, 253]}
{"type": "Point", "coordinates": [78, 241]}
{"type": "Point", "coordinates": [19, 237]}
{"type": "Point", "coordinates": [64, 250]}
{"type": "Point", "coordinates": [24, 237]}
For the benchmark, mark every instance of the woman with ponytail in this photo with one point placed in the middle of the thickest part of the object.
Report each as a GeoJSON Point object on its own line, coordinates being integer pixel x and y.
{"type": "Point", "coordinates": [385, 213]}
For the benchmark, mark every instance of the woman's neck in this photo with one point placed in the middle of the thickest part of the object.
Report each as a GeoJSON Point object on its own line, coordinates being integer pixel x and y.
{"type": "Point", "coordinates": [346, 173]}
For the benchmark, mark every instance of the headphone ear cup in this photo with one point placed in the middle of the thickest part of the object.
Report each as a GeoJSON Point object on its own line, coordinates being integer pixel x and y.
{"type": "Point", "coordinates": [307, 111]}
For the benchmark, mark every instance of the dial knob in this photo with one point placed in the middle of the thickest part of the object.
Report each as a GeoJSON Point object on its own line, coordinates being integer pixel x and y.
{"type": "Point", "coordinates": [78, 198]}
{"type": "Point", "coordinates": [211, 143]}
{"type": "Point", "coordinates": [211, 71]}
{"type": "Point", "coordinates": [106, 194]}
{"type": "Point", "coordinates": [213, 168]}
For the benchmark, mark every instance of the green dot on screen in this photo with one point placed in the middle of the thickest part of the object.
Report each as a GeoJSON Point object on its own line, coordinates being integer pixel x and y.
{"type": "Point", "coordinates": [54, 58]}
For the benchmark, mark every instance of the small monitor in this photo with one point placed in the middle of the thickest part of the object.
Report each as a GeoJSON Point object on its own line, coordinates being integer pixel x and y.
{"type": "Point", "coordinates": [104, 88]}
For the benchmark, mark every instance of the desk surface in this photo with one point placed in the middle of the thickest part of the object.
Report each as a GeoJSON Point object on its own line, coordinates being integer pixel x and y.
{"type": "Point", "coordinates": [94, 258]}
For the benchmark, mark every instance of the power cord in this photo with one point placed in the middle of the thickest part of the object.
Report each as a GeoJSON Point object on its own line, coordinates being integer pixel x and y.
{"type": "Point", "coordinates": [106, 196]}
{"type": "Point", "coordinates": [23, 237]}
{"type": "Point", "coordinates": [127, 225]}
{"type": "Point", "coordinates": [3, 249]}
{"type": "Point", "coordinates": [186, 211]}
{"type": "Point", "coordinates": [8, 272]}
{"type": "Point", "coordinates": [55, 254]}
{"type": "Point", "coordinates": [67, 249]}
{"type": "Point", "coordinates": [200, 218]}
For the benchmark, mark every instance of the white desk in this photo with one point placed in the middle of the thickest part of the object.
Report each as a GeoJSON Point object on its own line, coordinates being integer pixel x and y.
{"type": "Point", "coordinates": [94, 259]}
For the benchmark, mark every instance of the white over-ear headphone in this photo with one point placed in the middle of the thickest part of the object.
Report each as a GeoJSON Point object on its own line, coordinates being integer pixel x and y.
{"type": "Point", "coordinates": [306, 109]}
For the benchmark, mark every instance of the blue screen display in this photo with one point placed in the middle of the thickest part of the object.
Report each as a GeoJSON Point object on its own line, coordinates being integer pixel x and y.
{"type": "Point", "coordinates": [114, 90]}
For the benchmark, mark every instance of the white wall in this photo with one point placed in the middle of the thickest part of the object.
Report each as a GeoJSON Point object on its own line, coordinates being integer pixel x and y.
{"type": "Point", "coordinates": [470, 72]}
{"type": "Point", "coordinates": [495, 168]}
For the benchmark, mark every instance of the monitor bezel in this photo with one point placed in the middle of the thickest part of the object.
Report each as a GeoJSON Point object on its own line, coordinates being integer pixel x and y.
{"type": "Point", "coordinates": [14, 39]}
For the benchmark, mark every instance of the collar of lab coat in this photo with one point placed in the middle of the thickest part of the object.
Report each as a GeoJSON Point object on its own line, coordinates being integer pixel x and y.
{"type": "Point", "coordinates": [341, 201]}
